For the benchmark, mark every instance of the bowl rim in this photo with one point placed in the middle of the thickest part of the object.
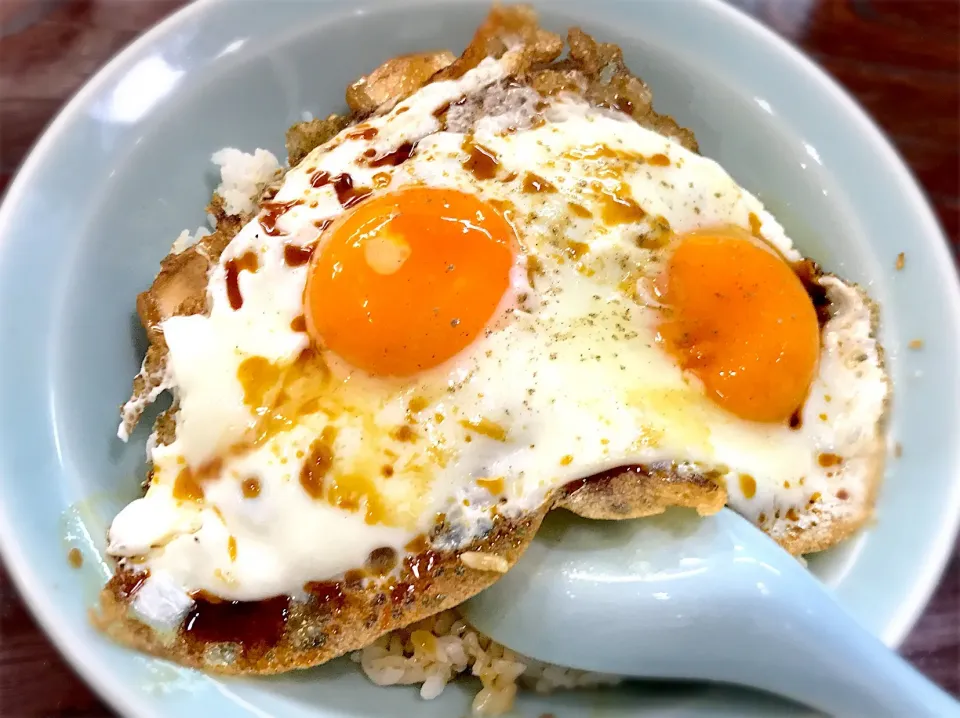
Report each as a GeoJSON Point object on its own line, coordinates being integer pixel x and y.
{"type": "Point", "coordinates": [88, 664]}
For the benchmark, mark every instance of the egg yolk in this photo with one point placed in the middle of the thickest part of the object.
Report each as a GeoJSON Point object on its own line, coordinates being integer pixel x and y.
{"type": "Point", "coordinates": [408, 279]}
{"type": "Point", "coordinates": [737, 317]}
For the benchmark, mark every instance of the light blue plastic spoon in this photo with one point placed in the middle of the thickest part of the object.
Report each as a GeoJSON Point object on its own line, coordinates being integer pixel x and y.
{"type": "Point", "coordinates": [689, 598]}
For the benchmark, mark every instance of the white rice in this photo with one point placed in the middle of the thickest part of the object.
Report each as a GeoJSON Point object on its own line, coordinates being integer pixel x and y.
{"type": "Point", "coordinates": [437, 650]}
{"type": "Point", "coordinates": [243, 177]}
{"type": "Point", "coordinates": [186, 239]}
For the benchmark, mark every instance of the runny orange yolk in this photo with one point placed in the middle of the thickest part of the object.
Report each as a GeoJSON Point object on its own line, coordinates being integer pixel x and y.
{"type": "Point", "coordinates": [408, 279]}
{"type": "Point", "coordinates": [737, 317]}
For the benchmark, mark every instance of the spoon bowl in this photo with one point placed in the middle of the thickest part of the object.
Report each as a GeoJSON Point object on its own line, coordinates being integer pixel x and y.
{"type": "Point", "coordinates": [678, 596]}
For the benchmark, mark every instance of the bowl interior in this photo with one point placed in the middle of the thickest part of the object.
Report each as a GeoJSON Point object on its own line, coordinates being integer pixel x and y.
{"type": "Point", "coordinates": [127, 168]}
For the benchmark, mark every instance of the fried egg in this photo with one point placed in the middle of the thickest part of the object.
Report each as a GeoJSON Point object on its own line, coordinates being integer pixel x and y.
{"type": "Point", "coordinates": [451, 311]}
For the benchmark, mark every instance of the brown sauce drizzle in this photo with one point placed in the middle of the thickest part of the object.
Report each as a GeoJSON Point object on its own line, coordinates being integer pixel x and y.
{"type": "Point", "coordinates": [272, 212]}
{"type": "Point", "coordinates": [618, 207]}
{"type": "Point", "coordinates": [576, 250]}
{"type": "Point", "coordinates": [535, 184]}
{"type": "Point", "coordinates": [534, 268]}
{"type": "Point", "coordinates": [398, 156]}
{"type": "Point", "coordinates": [186, 487]}
{"type": "Point", "coordinates": [809, 273]}
{"type": "Point", "coordinates": [256, 625]}
{"type": "Point", "coordinates": [75, 558]}
{"type": "Point", "coordinates": [624, 104]}
{"type": "Point", "coordinates": [356, 491]}
{"type": "Point", "coordinates": [295, 256]}
{"type": "Point", "coordinates": [597, 152]}
{"type": "Point", "coordinates": [246, 261]}
{"type": "Point", "coordinates": [251, 488]}
{"type": "Point", "coordinates": [486, 427]}
{"type": "Point", "coordinates": [404, 433]}
{"type": "Point", "coordinates": [481, 161]}
{"type": "Point", "coordinates": [417, 404]}
{"type": "Point", "coordinates": [298, 323]}
{"type": "Point", "coordinates": [257, 376]}
{"type": "Point", "coordinates": [362, 133]}
{"type": "Point", "coordinates": [504, 207]}
{"type": "Point", "coordinates": [441, 112]}
{"type": "Point", "coordinates": [418, 544]}
{"type": "Point", "coordinates": [826, 460]}
{"type": "Point", "coordinates": [418, 574]}
{"type": "Point", "coordinates": [322, 224]}
{"type": "Point", "coordinates": [796, 418]}
{"type": "Point", "coordinates": [416, 578]}
{"type": "Point", "coordinates": [422, 565]}
{"type": "Point", "coordinates": [494, 486]}
{"type": "Point", "coordinates": [318, 463]}
{"type": "Point", "coordinates": [347, 194]}
{"type": "Point", "coordinates": [327, 593]}
{"type": "Point", "coordinates": [273, 411]}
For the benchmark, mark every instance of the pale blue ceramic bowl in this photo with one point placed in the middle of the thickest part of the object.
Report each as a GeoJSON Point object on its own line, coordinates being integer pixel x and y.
{"type": "Point", "coordinates": [125, 168]}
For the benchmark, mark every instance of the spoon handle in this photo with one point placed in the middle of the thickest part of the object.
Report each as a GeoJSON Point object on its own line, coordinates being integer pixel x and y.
{"type": "Point", "coordinates": [848, 671]}
{"type": "Point", "coordinates": [890, 681]}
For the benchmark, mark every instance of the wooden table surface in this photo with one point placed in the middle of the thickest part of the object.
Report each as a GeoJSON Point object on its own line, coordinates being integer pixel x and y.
{"type": "Point", "coordinates": [900, 58]}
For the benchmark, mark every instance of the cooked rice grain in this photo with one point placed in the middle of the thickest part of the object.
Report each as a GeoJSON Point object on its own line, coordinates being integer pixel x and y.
{"type": "Point", "coordinates": [484, 561]}
{"type": "Point", "coordinates": [434, 651]}
{"type": "Point", "coordinates": [186, 239]}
